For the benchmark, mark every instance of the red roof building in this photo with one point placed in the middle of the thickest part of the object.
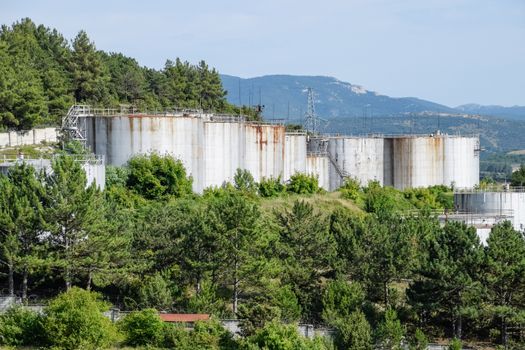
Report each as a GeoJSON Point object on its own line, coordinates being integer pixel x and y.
{"type": "Point", "coordinates": [184, 318]}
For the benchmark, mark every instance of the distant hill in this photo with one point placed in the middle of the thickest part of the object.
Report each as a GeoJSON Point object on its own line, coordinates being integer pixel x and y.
{"type": "Point", "coordinates": [351, 109]}
{"type": "Point", "coordinates": [333, 98]}
{"type": "Point", "coordinates": [514, 112]}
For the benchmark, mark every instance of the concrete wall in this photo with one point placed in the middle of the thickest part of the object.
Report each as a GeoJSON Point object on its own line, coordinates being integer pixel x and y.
{"type": "Point", "coordinates": [29, 137]}
{"type": "Point", "coordinates": [512, 203]}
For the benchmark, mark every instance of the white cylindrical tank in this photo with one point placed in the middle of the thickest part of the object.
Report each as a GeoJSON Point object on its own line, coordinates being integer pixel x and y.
{"type": "Point", "coordinates": [358, 157]}
{"type": "Point", "coordinates": [119, 138]}
{"type": "Point", "coordinates": [320, 167]}
{"type": "Point", "coordinates": [294, 155]}
{"type": "Point", "coordinates": [417, 161]}
{"type": "Point", "coordinates": [461, 161]}
{"type": "Point", "coordinates": [265, 148]}
{"type": "Point", "coordinates": [224, 151]}
{"type": "Point", "coordinates": [494, 203]}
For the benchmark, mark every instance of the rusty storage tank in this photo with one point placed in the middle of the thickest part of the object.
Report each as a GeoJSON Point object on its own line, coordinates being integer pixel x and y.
{"type": "Point", "coordinates": [359, 157]}
{"type": "Point", "coordinates": [417, 161]}
{"type": "Point", "coordinates": [294, 154]}
{"type": "Point", "coordinates": [118, 138]}
{"type": "Point", "coordinates": [264, 150]}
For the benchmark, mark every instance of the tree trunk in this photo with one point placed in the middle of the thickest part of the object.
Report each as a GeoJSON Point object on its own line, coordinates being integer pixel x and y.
{"type": "Point", "coordinates": [235, 289]}
{"type": "Point", "coordinates": [90, 278]}
{"type": "Point", "coordinates": [504, 333]}
{"type": "Point", "coordinates": [459, 326]}
{"type": "Point", "coordinates": [25, 274]}
{"type": "Point", "coordinates": [11, 279]}
{"type": "Point", "coordinates": [385, 287]}
{"type": "Point", "coordinates": [67, 272]}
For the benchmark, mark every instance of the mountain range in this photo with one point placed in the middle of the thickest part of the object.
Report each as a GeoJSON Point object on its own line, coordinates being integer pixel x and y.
{"type": "Point", "coordinates": [352, 109]}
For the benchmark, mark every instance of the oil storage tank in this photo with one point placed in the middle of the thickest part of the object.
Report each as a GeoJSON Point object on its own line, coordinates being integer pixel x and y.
{"type": "Point", "coordinates": [359, 157]}
{"type": "Point", "coordinates": [461, 161]}
{"type": "Point", "coordinates": [264, 150]}
{"type": "Point", "coordinates": [294, 154]}
{"type": "Point", "coordinates": [417, 161]}
{"type": "Point", "coordinates": [510, 202]}
{"type": "Point", "coordinates": [118, 138]}
{"type": "Point", "coordinates": [224, 151]}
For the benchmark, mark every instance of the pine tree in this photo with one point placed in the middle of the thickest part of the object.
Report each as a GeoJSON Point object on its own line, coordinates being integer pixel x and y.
{"type": "Point", "coordinates": [449, 283]}
{"type": "Point", "coordinates": [505, 274]}
{"type": "Point", "coordinates": [74, 214]}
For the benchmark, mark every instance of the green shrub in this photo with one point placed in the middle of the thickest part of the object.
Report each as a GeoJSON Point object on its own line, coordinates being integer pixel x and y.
{"type": "Point", "coordinates": [142, 328]}
{"type": "Point", "coordinates": [455, 344]}
{"type": "Point", "coordinates": [354, 332]}
{"type": "Point", "coordinates": [243, 181]}
{"type": "Point", "coordinates": [74, 320]}
{"type": "Point", "coordinates": [155, 293]}
{"type": "Point", "coordinates": [19, 326]}
{"type": "Point", "coordinates": [419, 341]}
{"type": "Point", "coordinates": [303, 184]}
{"type": "Point", "coordinates": [271, 187]}
{"type": "Point", "coordinates": [351, 189]}
{"type": "Point", "coordinates": [391, 332]}
{"type": "Point", "coordinates": [340, 299]}
{"type": "Point", "coordinates": [211, 335]}
{"type": "Point", "coordinates": [278, 336]}
{"type": "Point", "coordinates": [176, 337]}
{"type": "Point", "coordinates": [158, 177]}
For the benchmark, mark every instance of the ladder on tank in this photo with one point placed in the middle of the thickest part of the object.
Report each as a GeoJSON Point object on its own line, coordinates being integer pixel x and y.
{"type": "Point", "coordinates": [74, 123]}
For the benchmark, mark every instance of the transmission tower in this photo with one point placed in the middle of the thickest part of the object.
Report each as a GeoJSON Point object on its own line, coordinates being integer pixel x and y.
{"type": "Point", "coordinates": [311, 120]}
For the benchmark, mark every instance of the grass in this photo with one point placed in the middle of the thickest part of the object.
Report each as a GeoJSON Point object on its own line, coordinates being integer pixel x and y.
{"type": "Point", "coordinates": [322, 202]}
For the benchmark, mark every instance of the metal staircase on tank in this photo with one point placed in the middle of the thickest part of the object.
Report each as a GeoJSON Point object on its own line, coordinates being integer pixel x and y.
{"type": "Point", "coordinates": [74, 123]}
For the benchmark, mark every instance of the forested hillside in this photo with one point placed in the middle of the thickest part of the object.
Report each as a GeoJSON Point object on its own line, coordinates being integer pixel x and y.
{"type": "Point", "coordinates": [42, 74]}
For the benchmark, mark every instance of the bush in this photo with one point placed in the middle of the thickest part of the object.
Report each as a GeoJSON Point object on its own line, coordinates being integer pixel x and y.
{"type": "Point", "coordinates": [419, 341]}
{"type": "Point", "coordinates": [158, 177]}
{"type": "Point", "coordinates": [142, 328]}
{"type": "Point", "coordinates": [271, 187]}
{"type": "Point", "coordinates": [351, 189]}
{"type": "Point", "coordinates": [353, 332]}
{"type": "Point", "coordinates": [278, 336]}
{"type": "Point", "coordinates": [155, 293]}
{"type": "Point", "coordinates": [211, 335]}
{"type": "Point", "coordinates": [455, 344]}
{"type": "Point", "coordinates": [19, 326]}
{"type": "Point", "coordinates": [391, 331]}
{"type": "Point", "coordinates": [176, 337]}
{"type": "Point", "coordinates": [74, 320]}
{"type": "Point", "coordinates": [340, 298]}
{"type": "Point", "coordinates": [243, 181]}
{"type": "Point", "coordinates": [303, 184]}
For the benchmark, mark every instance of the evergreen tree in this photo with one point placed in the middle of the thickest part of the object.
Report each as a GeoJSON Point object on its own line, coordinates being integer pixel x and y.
{"type": "Point", "coordinates": [450, 278]}
{"type": "Point", "coordinates": [505, 275]}
{"type": "Point", "coordinates": [74, 215]}
{"type": "Point", "coordinates": [89, 76]}
{"type": "Point", "coordinates": [306, 250]}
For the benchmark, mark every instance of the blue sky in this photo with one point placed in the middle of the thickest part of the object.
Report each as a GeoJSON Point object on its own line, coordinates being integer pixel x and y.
{"type": "Point", "coordinates": [447, 51]}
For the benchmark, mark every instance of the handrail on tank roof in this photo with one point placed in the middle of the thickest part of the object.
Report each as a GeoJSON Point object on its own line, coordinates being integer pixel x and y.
{"type": "Point", "coordinates": [495, 189]}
